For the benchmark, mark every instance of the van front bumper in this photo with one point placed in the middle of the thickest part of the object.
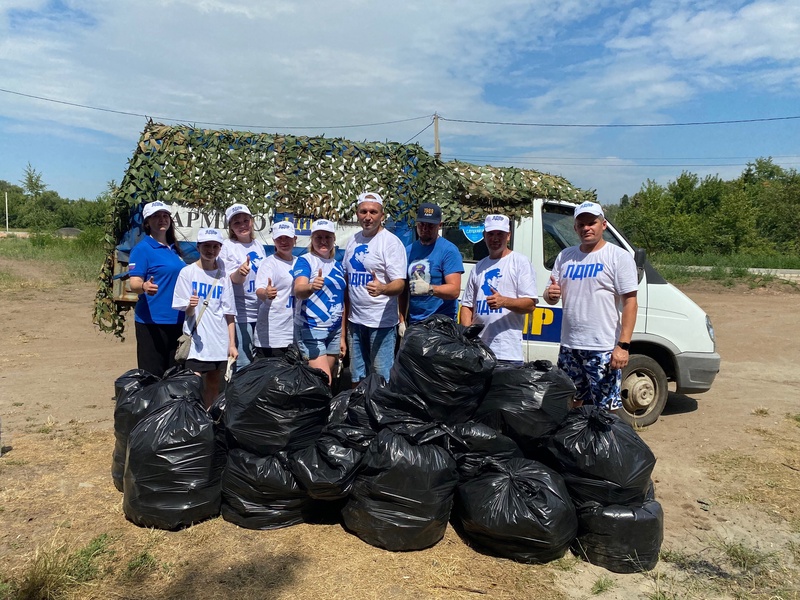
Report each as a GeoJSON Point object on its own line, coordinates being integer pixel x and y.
{"type": "Point", "coordinates": [695, 371]}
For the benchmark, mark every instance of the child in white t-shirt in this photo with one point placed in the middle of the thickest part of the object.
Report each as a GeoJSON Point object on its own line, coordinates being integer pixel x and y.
{"type": "Point", "coordinates": [274, 329]}
{"type": "Point", "coordinates": [205, 293]}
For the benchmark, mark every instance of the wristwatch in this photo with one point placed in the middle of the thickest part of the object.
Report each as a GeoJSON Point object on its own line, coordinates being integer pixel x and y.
{"type": "Point", "coordinates": [624, 345]}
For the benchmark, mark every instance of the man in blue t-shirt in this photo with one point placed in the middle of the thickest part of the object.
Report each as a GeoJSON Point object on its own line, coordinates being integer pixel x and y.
{"type": "Point", "coordinates": [434, 269]}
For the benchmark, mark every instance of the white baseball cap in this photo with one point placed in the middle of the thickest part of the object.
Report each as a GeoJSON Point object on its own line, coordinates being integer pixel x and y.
{"type": "Point", "coordinates": [209, 235]}
{"type": "Point", "coordinates": [496, 223]}
{"type": "Point", "coordinates": [235, 209]}
{"type": "Point", "coordinates": [282, 228]}
{"type": "Point", "coordinates": [152, 208]}
{"type": "Point", "coordinates": [591, 208]}
{"type": "Point", "coordinates": [323, 225]}
{"type": "Point", "coordinates": [370, 197]}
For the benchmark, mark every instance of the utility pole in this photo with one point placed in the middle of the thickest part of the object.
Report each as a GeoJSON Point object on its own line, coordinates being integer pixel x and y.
{"type": "Point", "coordinates": [437, 151]}
{"type": "Point", "coordinates": [6, 211]}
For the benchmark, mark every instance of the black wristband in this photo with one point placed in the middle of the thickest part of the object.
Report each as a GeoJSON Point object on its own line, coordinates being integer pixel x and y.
{"type": "Point", "coordinates": [624, 345]}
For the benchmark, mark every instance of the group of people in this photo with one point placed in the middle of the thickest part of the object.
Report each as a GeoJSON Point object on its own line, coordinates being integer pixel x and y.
{"type": "Point", "coordinates": [239, 305]}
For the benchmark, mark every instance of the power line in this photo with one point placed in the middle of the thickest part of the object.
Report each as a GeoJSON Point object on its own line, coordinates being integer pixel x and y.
{"type": "Point", "coordinates": [617, 125]}
{"type": "Point", "coordinates": [539, 157]}
{"type": "Point", "coordinates": [419, 132]}
{"type": "Point", "coordinates": [133, 114]}
{"type": "Point", "coordinates": [598, 163]}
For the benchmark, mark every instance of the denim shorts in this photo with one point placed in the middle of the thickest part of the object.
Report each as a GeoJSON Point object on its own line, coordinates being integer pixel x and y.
{"type": "Point", "coordinates": [314, 343]}
{"type": "Point", "coordinates": [371, 350]}
{"type": "Point", "coordinates": [597, 383]}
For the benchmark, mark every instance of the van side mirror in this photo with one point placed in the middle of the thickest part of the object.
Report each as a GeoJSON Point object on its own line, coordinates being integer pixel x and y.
{"type": "Point", "coordinates": [640, 258]}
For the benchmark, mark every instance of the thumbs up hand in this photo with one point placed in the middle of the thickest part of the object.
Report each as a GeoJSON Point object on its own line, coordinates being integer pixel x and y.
{"type": "Point", "coordinates": [495, 301]}
{"type": "Point", "coordinates": [194, 300]}
{"type": "Point", "coordinates": [150, 287]}
{"type": "Point", "coordinates": [553, 291]}
{"type": "Point", "coordinates": [376, 286]}
{"type": "Point", "coordinates": [272, 291]}
{"type": "Point", "coordinates": [244, 268]}
{"type": "Point", "coordinates": [318, 282]}
{"type": "Point", "coordinates": [418, 286]}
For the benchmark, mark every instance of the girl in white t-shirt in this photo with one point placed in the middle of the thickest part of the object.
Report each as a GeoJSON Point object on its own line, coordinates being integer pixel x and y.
{"type": "Point", "coordinates": [319, 284]}
{"type": "Point", "coordinates": [274, 328]}
{"type": "Point", "coordinates": [205, 293]}
{"type": "Point", "coordinates": [242, 256]}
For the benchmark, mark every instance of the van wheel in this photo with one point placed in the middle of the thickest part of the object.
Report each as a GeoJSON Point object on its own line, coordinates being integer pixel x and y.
{"type": "Point", "coordinates": [644, 391]}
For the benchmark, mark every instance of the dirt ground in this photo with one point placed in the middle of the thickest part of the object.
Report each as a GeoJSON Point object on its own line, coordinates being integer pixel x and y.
{"type": "Point", "coordinates": [728, 471]}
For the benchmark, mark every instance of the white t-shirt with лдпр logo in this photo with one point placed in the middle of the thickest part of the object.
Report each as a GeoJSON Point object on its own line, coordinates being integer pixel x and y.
{"type": "Point", "coordinates": [274, 327]}
{"type": "Point", "coordinates": [512, 276]}
{"type": "Point", "coordinates": [210, 341]}
{"type": "Point", "coordinates": [384, 254]}
{"type": "Point", "coordinates": [233, 254]}
{"type": "Point", "coordinates": [591, 286]}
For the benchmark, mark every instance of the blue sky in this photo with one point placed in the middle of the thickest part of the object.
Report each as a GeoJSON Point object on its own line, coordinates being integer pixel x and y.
{"type": "Point", "coordinates": [304, 67]}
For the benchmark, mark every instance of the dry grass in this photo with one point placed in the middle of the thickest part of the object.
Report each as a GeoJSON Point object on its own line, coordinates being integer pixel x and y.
{"type": "Point", "coordinates": [64, 492]}
{"type": "Point", "coordinates": [769, 478]}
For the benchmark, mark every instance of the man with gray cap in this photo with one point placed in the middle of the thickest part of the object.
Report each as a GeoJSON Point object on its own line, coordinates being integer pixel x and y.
{"type": "Point", "coordinates": [375, 268]}
{"type": "Point", "coordinates": [593, 280]}
{"type": "Point", "coordinates": [434, 269]}
{"type": "Point", "coordinates": [500, 291]}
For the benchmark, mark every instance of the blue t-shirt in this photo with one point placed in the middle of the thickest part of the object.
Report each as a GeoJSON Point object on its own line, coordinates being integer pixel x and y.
{"type": "Point", "coordinates": [433, 263]}
{"type": "Point", "coordinates": [323, 309]}
{"type": "Point", "coordinates": [149, 258]}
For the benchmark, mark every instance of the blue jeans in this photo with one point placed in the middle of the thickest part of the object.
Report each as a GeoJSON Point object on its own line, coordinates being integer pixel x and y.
{"type": "Point", "coordinates": [314, 343]}
{"type": "Point", "coordinates": [371, 350]}
{"type": "Point", "coordinates": [244, 344]}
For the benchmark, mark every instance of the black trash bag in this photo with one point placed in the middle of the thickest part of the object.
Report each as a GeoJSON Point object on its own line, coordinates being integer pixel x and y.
{"type": "Point", "coordinates": [260, 492]}
{"type": "Point", "coordinates": [601, 458]}
{"type": "Point", "coordinates": [132, 381]}
{"type": "Point", "coordinates": [402, 497]}
{"type": "Point", "coordinates": [327, 469]}
{"type": "Point", "coordinates": [217, 414]}
{"type": "Point", "coordinates": [350, 406]}
{"type": "Point", "coordinates": [527, 402]}
{"type": "Point", "coordinates": [174, 465]}
{"type": "Point", "coordinates": [138, 394]}
{"type": "Point", "coordinates": [623, 538]}
{"type": "Point", "coordinates": [519, 509]}
{"type": "Point", "coordinates": [474, 444]}
{"type": "Point", "coordinates": [448, 370]}
{"type": "Point", "coordinates": [276, 404]}
{"type": "Point", "coordinates": [386, 405]}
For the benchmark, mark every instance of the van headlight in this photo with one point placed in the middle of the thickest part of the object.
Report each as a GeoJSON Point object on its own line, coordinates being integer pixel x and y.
{"type": "Point", "coordinates": [710, 328]}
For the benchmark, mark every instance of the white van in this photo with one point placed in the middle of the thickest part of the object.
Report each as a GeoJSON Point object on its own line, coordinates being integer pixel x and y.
{"type": "Point", "coordinates": [673, 340]}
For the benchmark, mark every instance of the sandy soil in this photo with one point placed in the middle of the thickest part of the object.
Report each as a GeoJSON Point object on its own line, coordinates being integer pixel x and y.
{"type": "Point", "coordinates": [57, 370]}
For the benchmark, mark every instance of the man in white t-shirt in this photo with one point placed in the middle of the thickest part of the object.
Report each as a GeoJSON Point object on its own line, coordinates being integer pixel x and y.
{"type": "Point", "coordinates": [592, 280]}
{"type": "Point", "coordinates": [500, 291]}
{"type": "Point", "coordinates": [375, 266]}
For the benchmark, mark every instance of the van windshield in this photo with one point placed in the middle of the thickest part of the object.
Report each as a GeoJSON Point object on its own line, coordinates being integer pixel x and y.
{"type": "Point", "coordinates": [558, 232]}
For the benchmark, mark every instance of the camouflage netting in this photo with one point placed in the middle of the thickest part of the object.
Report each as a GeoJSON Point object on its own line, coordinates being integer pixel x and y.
{"type": "Point", "coordinates": [309, 176]}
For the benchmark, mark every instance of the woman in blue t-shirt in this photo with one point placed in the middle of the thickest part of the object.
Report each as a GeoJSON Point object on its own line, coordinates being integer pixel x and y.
{"type": "Point", "coordinates": [319, 284]}
{"type": "Point", "coordinates": [153, 269]}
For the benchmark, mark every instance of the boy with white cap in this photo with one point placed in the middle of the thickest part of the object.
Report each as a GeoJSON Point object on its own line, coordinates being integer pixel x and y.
{"type": "Point", "coordinates": [375, 264]}
{"type": "Point", "coordinates": [500, 291]}
{"type": "Point", "coordinates": [274, 327]}
{"type": "Point", "coordinates": [205, 293]}
{"type": "Point", "coordinates": [592, 280]}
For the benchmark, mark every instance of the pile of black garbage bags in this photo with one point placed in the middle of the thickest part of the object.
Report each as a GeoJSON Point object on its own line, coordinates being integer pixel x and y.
{"type": "Point", "coordinates": [451, 438]}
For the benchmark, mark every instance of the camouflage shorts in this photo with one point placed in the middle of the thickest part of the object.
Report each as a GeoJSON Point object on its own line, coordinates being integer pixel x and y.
{"type": "Point", "coordinates": [597, 383]}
